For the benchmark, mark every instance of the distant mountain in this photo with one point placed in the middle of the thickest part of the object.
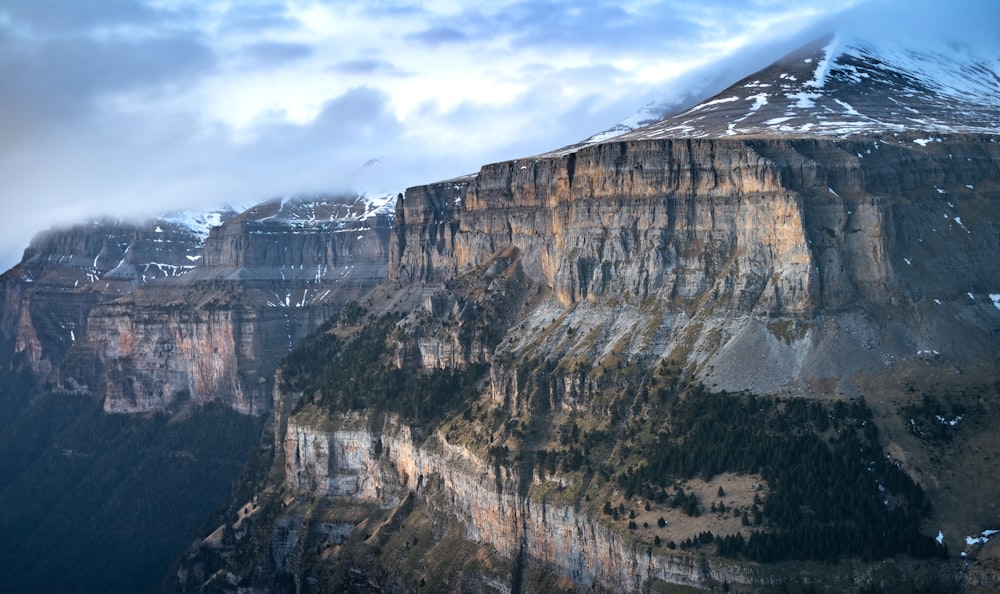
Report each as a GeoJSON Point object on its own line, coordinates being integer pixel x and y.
{"type": "Point", "coordinates": [182, 317]}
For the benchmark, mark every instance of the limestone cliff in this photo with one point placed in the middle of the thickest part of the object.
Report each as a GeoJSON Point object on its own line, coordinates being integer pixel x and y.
{"type": "Point", "coordinates": [65, 273]}
{"type": "Point", "coordinates": [383, 465]}
{"type": "Point", "coordinates": [595, 285]}
{"type": "Point", "coordinates": [146, 317]}
{"type": "Point", "coordinates": [267, 279]}
{"type": "Point", "coordinates": [748, 230]}
{"type": "Point", "coordinates": [757, 221]}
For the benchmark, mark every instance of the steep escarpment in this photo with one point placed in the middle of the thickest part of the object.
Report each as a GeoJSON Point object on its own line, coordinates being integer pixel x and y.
{"type": "Point", "coordinates": [742, 229]}
{"type": "Point", "coordinates": [182, 319]}
{"type": "Point", "coordinates": [267, 279]}
{"type": "Point", "coordinates": [636, 218]}
{"type": "Point", "coordinates": [48, 296]}
{"type": "Point", "coordinates": [577, 376]}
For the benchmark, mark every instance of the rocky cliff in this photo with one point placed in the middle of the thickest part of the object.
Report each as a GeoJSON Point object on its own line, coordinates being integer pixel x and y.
{"type": "Point", "coordinates": [595, 285]}
{"type": "Point", "coordinates": [268, 278]}
{"type": "Point", "coordinates": [385, 465]}
{"type": "Point", "coordinates": [748, 230]}
{"type": "Point", "coordinates": [150, 316]}
{"type": "Point", "coordinates": [48, 296]}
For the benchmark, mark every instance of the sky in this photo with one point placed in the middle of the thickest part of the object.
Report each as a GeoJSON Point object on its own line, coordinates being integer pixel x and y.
{"type": "Point", "coordinates": [129, 108]}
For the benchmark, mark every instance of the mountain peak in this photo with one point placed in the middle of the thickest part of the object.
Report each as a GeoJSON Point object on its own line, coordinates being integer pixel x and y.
{"type": "Point", "coordinates": [843, 86]}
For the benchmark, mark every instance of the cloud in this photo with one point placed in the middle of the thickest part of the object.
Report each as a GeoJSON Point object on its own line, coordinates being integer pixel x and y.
{"type": "Point", "coordinates": [274, 53]}
{"type": "Point", "coordinates": [916, 21]}
{"type": "Point", "coordinates": [60, 17]}
{"type": "Point", "coordinates": [364, 66]}
{"type": "Point", "coordinates": [51, 84]}
{"type": "Point", "coordinates": [438, 36]}
{"type": "Point", "coordinates": [257, 18]}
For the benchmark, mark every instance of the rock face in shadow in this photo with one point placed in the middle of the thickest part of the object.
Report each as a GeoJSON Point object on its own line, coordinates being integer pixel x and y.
{"type": "Point", "coordinates": [146, 317]}
{"type": "Point", "coordinates": [64, 273]}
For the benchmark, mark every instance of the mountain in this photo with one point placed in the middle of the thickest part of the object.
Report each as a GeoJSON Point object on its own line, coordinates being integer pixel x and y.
{"type": "Point", "coordinates": [751, 346]}
{"type": "Point", "coordinates": [188, 306]}
{"type": "Point", "coordinates": [179, 321]}
{"type": "Point", "coordinates": [844, 87]}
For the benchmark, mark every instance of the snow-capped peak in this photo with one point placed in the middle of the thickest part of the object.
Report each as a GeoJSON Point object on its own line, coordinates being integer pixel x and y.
{"type": "Point", "coordinates": [844, 86]}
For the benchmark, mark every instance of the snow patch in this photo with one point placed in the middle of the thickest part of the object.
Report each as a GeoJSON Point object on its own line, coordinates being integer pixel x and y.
{"type": "Point", "coordinates": [759, 100]}
{"type": "Point", "coordinates": [803, 99]}
{"type": "Point", "coordinates": [995, 298]}
{"type": "Point", "coordinates": [983, 538]}
{"type": "Point", "coordinates": [198, 224]}
{"type": "Point", "coordinates": [710, 103]}
{"type": "Point", "coordinates": [823, 66]}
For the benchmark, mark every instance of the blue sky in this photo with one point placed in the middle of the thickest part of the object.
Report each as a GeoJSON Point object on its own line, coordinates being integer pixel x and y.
{"type": "Point", "coordinates": [133, 107]}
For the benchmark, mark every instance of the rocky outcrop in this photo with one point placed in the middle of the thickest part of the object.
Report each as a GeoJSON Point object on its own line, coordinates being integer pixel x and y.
{"type": "Point", "coordinates": [771, 225]}
{"type": "Point", "coordinates": [382, 466]}
{"type": "Point", "coordinates": [715, 246]}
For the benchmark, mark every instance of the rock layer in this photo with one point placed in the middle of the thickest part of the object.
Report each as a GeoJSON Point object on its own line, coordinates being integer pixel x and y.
{"type": "Point", "coordinates": [151, 316]}
{"type": "Point", "coordinates": [783, 266]}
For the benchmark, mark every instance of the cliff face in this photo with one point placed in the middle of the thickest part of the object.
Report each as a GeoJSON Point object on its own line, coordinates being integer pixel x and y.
{"type": "Point", "coordinates": [771, 225]}
{"type": "Point", "coordinates": [268, 278]}
{"type": "Point", "coordinates": [383, 465]}
{"type": "Point", "coordinates": [48, 296]}
{"type": "Point", "coordinates": [146, 317]}
{"type": "Point", "coordinates": [734, 232]}
{"type": "Point", "coordinates": [587, 281]}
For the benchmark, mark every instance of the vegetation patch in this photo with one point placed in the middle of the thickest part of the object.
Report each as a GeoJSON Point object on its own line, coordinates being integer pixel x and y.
{"type": "Point", "coordinates": [787, 331]}
{"type": "Point", "coordinates": [358, 371]}
{"type": "Point", "coordinates": [832, 492]}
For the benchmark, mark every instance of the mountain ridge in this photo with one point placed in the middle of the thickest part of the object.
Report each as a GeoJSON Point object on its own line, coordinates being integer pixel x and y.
{"type": "Point", "coordinates": [674, 357]}
{"type": "Point", "coordinates": [826, 87]}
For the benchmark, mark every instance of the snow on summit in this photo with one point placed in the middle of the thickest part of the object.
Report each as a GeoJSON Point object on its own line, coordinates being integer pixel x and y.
{"type": "Point", "coordinates": [320, 210]}
{"type": "Point", "coordinates": [843, 86]}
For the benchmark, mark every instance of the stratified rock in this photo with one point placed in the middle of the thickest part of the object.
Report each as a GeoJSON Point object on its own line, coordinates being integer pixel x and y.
{"type": "Point", "coordinates": [268, 278]}
{"type": "Point", "coordinates": [189, 308]}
